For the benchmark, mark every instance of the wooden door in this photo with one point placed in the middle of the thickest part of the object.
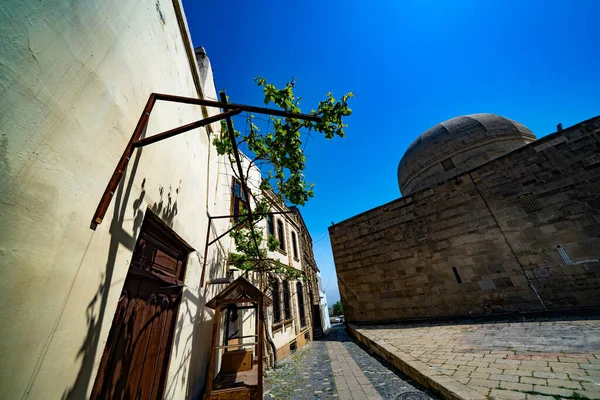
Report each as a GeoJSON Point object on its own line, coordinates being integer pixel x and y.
{"type": "Point", "coordinates": [136, 357]}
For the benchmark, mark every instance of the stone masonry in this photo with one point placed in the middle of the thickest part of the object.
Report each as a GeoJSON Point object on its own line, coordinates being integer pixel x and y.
{"type": "Point", "coordinates": [519, 233]}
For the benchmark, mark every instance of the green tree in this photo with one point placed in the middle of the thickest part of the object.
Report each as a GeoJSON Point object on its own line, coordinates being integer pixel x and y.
{"type": "Point", "coordinates": [338, 309]}
{"type": "Point", "coordinates": [279, 153]}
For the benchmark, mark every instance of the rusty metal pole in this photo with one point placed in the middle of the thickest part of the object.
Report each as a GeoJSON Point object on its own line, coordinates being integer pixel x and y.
{"type": "Point", "coordinates": [113, 183]}
{"type": "Point", "coordinates": [236, 154]}
{"type": "Point", "coordinates": [205, 252]}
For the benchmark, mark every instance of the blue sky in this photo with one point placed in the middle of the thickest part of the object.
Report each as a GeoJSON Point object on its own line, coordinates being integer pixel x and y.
{"type": "Point", "coordinates": [411, 64]}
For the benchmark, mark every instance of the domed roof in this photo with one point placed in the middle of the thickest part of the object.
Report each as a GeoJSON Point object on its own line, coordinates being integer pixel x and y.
{"type": "Point", "coordinates": [458, 145]}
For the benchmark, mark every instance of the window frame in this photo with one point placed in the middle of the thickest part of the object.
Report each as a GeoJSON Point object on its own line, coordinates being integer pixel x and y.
{"type": "Point", "coordinates": [287, 301]}
{"type": "Point", "coordinates": [281, 235]}
{"type": "Point", "coordinates": [295, 246]}
{"type": "Point", "coordinates": [270, 225]}
{"type": "Point", "coordinates": [238, 200]}
{"type": "Point", "coordinates": [276, 303]}
{"type": "Point", "coordinates": [301, 304]}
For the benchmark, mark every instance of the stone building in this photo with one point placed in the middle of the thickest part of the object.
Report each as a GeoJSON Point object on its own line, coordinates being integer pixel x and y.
{"type": "Point", "coordinates": [289, 318]}
{"type": "Point", "coordinates": [491, 221]}
{"type": "Point", "coordinates": [75, 77]}
{"type": "Point", "coordinates": [318, 300]}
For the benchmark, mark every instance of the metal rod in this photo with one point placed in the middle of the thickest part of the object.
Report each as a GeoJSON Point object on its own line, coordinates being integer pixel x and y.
{"type": "Point", "coordinates": [113, 183]}
{"type": "Point", "coordinates": [205, 253]}
{"type": "Point", "coordinates": [185, 128]}
{"type": "Point", "coordinates": [228, 230]}
{"type": "Point", "coordinates": [236, 345]}
{"type": "Point", "coordinates": [256, 214]}
{"type": "Point", "coordinates": [236, 154]}
{"type": "Point", "coordinates": [242, 337]}
{"type": "Point", "coordinates": [224, 234]}
{"type": "Point", "coordinates": [231, 106]}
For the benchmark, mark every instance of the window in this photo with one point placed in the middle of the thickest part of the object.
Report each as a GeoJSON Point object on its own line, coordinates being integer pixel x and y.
{"type": "Point", "coordinates": [294, 245]}
{"type": "Point", "coordinates": [300, 294]}
{"type": "Point", "coordinates": [270, 225]}
{"type": "Point", "coordinates": [448, 164]}
{"type": "Point", "coordinates": [456, 275]}
{"type": "Point", "coordinates": [287, 312]}
{"type": "Point", "coordinates": [281, 235]}
{"type": "Point", "coordinates": [276, 302]}
{"type": "Point", "coordinates": [239, 203]}
{"type": "Point", "coordinates": [530, 202]}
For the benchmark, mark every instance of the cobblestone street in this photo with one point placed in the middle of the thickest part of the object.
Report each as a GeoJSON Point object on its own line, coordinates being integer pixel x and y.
{"type": "Point", "coordinates": [339, 368]}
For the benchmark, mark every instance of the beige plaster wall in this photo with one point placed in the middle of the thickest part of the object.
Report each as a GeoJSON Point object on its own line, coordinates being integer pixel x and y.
{"type": "Point", "coordinates": [74, 77]}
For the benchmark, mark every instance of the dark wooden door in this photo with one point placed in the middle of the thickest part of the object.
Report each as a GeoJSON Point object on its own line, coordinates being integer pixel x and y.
{"type": "Point", "coordinates": [136, 357]}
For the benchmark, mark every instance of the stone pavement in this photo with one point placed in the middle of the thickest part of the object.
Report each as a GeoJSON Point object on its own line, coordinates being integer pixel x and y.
{"type": "Point", "coordinates": [506, 359]}
{"type": "Point", "coordinates": [339, 368]}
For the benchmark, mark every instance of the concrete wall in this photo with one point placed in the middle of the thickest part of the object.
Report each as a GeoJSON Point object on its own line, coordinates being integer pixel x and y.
{"type": "Point", "coordinates": [396, 261]}
{"type": "Point", "coordinates": [74, 77]}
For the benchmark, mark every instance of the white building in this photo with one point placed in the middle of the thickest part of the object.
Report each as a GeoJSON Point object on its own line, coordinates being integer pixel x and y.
{"type": "Point", "coordinates": [80, 305]}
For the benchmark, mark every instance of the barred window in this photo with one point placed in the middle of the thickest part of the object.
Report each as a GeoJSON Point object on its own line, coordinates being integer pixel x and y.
{"type": "Point", "coordinates": [276, 302]}
{"type": "Point", "coordinates": [294, 245]}
{"type": "Point", "coordinates": [239, 203]}
{"type": "Point", "coordinates": [270, 225]}
{"type": "Point", "coordinates": [287, 310]}
{"type": "Point", "coordinates": [281, 234]}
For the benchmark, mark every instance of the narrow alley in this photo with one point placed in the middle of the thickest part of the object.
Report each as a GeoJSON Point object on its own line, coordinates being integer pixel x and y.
{"type": "Point", "coordinates": [339, 368]}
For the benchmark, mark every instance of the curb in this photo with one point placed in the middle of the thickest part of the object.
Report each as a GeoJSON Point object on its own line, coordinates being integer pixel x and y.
{"type": "Point", "coordinates": [444, 385]}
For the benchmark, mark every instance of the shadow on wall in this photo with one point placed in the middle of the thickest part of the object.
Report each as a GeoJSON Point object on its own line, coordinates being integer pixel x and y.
{"type": "Point", "coordinates": [166, 210]}
{"type": "Point", "coordinates": [95, 319]}
{"type": "Point", "coordinates": [4, 166]}
{"type": "Point", "coordinates": [197, 344]}
{"type": "Point", "coordinates": [191, 370]}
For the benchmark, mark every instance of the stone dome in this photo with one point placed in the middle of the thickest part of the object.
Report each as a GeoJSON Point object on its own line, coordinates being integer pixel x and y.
{"type": "Point", "coordinates": [456, 146]}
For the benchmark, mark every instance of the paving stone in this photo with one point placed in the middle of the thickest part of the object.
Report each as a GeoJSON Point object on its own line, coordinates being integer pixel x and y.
{"type": "Point", "coordinates": [564, 383]}
{"type": "Point", "coordinates": [550, 375]}
{"type": "Point", "coordinates": [534, 381]}
{"type": "Point", "coordinates": [551, 390]}
{"type": "Point", "coordinates": [542, 349]}
{"type": "Point", "coordinates": [589, 395]}
{"type": "Point", "coordinates": [517, 386]}
{"type": "Point", "coordinates": [484, 382]}
{"type": "Point", "coordinates": [506, 378]}
{"type": "Point", "coordinates": [507, 394]}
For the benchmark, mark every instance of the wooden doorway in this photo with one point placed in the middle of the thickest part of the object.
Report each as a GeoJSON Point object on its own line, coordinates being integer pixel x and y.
{"type": "Point", "coordinates": [136, 357]}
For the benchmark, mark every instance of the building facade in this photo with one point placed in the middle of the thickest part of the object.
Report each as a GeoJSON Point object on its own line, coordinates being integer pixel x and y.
{"type": "Point", "coordinates": [289, 318]}
{"type": "Point", "coordinates": [491, 221]}
{"type": "Point", "coordinates": [75, 79]}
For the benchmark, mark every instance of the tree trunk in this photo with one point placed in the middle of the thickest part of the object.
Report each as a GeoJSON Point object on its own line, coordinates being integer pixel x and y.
{"type": "Point", "coordinates": [273, 348]}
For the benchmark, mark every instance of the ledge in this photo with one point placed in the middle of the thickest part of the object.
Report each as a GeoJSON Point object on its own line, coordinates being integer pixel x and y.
{"type": "Point", "coordinates": [444, 385]}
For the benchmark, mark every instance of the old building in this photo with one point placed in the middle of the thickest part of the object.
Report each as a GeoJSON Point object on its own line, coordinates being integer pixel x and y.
{"type": "Point", "coordinates": [491, 221]}
{"type": "Point", "coordinates": [80, 305]}
{"type": "Point", "coordinates": [289, 318]}
{"type": "Point", "coordinates": [318, 300]}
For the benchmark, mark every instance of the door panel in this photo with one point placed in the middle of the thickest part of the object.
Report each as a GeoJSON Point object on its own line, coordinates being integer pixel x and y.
{"type": "Point", "coordinates": [135, 360]}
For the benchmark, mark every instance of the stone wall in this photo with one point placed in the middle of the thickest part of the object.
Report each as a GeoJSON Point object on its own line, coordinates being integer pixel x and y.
{"type": "Point", "coordinates": [469, 247]}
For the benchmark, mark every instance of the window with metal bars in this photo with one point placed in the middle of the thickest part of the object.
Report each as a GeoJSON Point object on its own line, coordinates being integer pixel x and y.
{"type": "Point", "coordinates": [276, 302]}
{"type": "Point", "coordinates": [281, 234]}
{"type": "Point", "coordinates": [270, 225]}
{"type": "Point", "coordinates": [287, 310]}
{"type": "Point", "coordinates": [239, 203]}
{"type": "Point", "coordinates": [294, 245]}
{"type": "Point", "coordinates": [300, 294]}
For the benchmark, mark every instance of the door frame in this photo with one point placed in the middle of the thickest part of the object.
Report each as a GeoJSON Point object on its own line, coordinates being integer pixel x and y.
{"type": "Point", "coordinates": [150, 218]}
